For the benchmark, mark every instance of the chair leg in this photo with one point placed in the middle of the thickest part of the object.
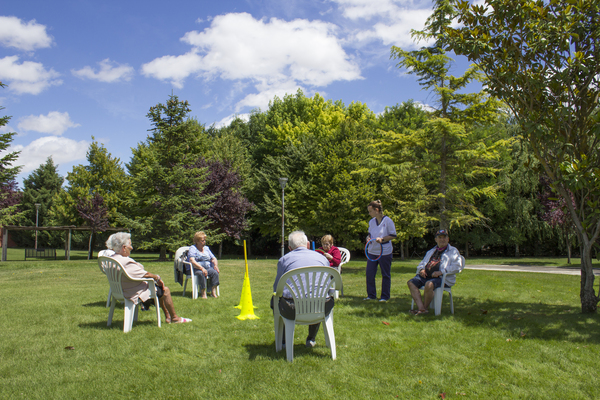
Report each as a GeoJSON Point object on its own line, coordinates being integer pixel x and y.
{"type": "Point", "coordinates": [279, 325]}
{"type": "Point", "coordinates": [185, 285]}
{"type": "Point", "coordinates": [451, 303]}
{"type": "Point", "coordinates": [129, 310]}
{"type": "Point", "coordinates": [329, 334]}
{"type": "Point", "coordinates": [437, 300]}
{"type": "Point", "coordinates": [157, 306]}
{"type": "Point", "coordinates": [290, 326]}
{"type": "Point", "coordinates": [194, 286]}
{"type": "Point", "coordinates": [111, 312]}
{"type": "Point", "coordinates": [109, 296]}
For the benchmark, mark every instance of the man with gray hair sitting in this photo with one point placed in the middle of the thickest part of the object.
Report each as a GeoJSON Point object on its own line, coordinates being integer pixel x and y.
{"type": "Point", "coordinates": [299, 256]}
{"type": "Point", "coordinates": [120, 243]}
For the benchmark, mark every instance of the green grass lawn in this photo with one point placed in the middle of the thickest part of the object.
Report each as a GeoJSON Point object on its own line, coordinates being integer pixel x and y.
{"type": "Point", "coordinates": [513, 336]}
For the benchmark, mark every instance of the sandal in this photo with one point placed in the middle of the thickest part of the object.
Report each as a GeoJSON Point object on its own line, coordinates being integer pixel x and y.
{"type": "Point", "coordinates": [182, 320]}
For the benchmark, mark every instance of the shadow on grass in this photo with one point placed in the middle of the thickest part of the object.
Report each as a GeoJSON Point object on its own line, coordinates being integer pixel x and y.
{"type": "Point", "coordinates": [116, 324]}
{"type": "Point", "coordinates": [516, 319]}
{"type": "Point", "coordinates": [396, 269]}
{"type": "Point", "coordinates": [97, 304]}
{"type": "Point", "coordinates": [300, 350]}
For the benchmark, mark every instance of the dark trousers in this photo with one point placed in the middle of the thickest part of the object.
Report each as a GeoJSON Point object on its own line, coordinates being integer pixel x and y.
{"type": "Point", "coordinates": [287, 309]}
{"type": "Point", "coordinates": [385, 263]}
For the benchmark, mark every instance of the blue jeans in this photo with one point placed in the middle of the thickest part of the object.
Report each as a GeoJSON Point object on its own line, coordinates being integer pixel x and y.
{"type": "Point", "coordinates": [385, 263]}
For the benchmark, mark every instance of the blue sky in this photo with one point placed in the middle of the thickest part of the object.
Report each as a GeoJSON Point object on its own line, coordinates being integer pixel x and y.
{"type": "Point", "coordinates": [82, 68]}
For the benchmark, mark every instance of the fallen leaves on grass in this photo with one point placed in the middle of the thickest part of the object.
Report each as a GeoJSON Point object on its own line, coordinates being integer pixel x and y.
{"type": "Point", "coordinates": [483, 311]}
{"type": "Point", "coordinates": [523, 334]}
{"type": "Point", "coordinates": [442, 395]}
{"type": "Point", "coordinates": [509, 340]}
{"type": "Point", "coordinates": [69, 348]}
{"type": "Point", "coordinates": [385, 323]}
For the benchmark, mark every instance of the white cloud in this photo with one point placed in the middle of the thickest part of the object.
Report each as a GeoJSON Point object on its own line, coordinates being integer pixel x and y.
{"type": "Point", "coordinates": [270, 54]}
{"type": "Point", "coordinates": [367, 9]}
{"type": "Point", "coordinates": [391, 21]}
{"type": "Point", "coordinates": [109, 72]}
{"type": "Point", "coordinates": [173, 68]}
{"type": "Point", "coordinates": [27, 77]}
{"type": "Point", "coordinates": [23, 36]}
{"type": "Point", "coordinates": [267, 93]}
{"type": "Point", "coordinates": [229, 119]}
{"type": "Point", "coordinates": [61, 149]}
{"type": "Point", "coordinates": [55, 123]}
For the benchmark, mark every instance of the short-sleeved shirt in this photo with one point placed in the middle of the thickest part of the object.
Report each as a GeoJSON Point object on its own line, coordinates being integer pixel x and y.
{"type": "Point", "coordinates": [202, 257]}
{"type": "Point", "coordinates": [385, 228]}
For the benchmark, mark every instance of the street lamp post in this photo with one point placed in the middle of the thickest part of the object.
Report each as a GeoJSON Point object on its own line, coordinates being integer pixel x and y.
{"type": "Point", "coordinates": [282, 182]}
{"type": "Point", "coordinates": [37, 212]}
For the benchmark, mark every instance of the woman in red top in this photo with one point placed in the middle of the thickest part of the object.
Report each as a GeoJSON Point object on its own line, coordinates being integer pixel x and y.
{"type": "Point", "coordinates": [331, 252]}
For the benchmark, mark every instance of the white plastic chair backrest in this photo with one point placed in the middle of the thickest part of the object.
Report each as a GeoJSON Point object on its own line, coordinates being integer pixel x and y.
{"type": "Point", "coordinates": [178, 254]}
{"type": "Point", "coordinates": [310, 288]}
{"type": "Point", "coordinates": [113, 271]}
{"type": "Point", "coordinates": [345, 255]}
{"type": "Point", "coordinates": [104, 253]}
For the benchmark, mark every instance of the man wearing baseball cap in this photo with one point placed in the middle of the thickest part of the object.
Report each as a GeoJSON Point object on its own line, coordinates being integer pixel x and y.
{"type": "Point", "coordinates": [442, 258]}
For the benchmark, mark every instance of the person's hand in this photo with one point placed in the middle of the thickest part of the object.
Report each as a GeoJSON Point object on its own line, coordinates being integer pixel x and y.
{"type": "Point", "coordinates": [328, 256]}
{"type": "Point", "coordinates": [205, 272]}
{"type": "Point", "coordinates": [422, 273]}
{"type": "Point", "coordinates": [217, 269]}
{"type": "Point", "coordinates": [379, 240]}
{"type": "Point", "coordinates": [437, 274]}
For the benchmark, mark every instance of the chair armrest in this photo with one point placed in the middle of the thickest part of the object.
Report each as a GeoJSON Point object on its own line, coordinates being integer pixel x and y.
{"type": "Point", "coordinates": [444, 277]}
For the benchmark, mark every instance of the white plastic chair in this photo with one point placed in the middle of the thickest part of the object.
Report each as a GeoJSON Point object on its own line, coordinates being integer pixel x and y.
{"type": "Point", "coordinates": [345, 258]}
{"type": "Point", "coordinates": [115, 273]}
{"type": "Point", "coordinates": [436, 303]}
{"type": "Point", "coordinates": [105, 253]}
{"type": "Point", "coordinates": [309, 287]}
{"type": "Point", "coordinates": [180, 266]}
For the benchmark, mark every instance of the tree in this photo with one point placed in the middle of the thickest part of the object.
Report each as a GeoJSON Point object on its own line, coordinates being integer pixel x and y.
{"type": "Point", "coordinates": [317, 145]}
{"type": "Point", "coordinates": [40, 187]}
{"type": "Point", "coordinates": [166, 196]}
{"type": "Point", "coordinates": [103, 175]}
{"type": "Point", "coordinates": [542, 58]}
{"type": "Point", "coordinates": [227, 214]}
{"type": "Point", "coordinates": [449, 149]}
{"type": "Point", "coordinates": [95, 214]}
{"type": "Point", "coordinates": [9, 194]}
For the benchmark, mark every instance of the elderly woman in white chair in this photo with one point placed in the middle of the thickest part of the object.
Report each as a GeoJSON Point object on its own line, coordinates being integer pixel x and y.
{"type": "Point", "coordinates": [120, 243]}
{"type": "Point", "coordinates": [204, 264]}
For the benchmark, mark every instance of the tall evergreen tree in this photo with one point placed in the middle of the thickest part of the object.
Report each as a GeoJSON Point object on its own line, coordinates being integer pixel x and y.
{"type": "Point", "coordinates": [9, 193]}
{"type": "Point", "coordinates": [40, 187]}
{"type": "Point", "coordinates": [103, 175]}
{"type": "Point", "coordinates": [166, 184]}
{"type": "Point", "coordinates": [449, 149]}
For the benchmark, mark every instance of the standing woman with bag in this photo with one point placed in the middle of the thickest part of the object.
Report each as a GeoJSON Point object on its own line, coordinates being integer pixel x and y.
{"type": "Point", "coordinates": [379, 251]}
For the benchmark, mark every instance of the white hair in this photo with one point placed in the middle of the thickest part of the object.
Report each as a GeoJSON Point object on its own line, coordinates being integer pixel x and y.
{"type": "Point", "coordinates": [297, 239]}
{"type": "Point", "coordinates": [116, 241]}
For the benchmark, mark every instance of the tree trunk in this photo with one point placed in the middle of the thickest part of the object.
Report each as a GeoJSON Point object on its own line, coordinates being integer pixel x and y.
{"type": "Point", "coordinates": [163, 254]}
{"type": "Point", "coordinates": [467, 249]}
{"type": "Point", "coordinates": [90, 248]}
{"type": "Point", "coordinates": [517, 250]}
{"type": "Point", "coordinates": [589, 300]}
{"type": "Point", "coordinates": [220, 250]}
{"type": "Point", "coordinates": [568, 248]}
{"type": "Point", "coordinates": [402, 251]}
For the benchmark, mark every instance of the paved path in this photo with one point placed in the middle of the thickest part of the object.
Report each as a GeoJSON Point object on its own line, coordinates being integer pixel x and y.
{"type": "Point", "coordinates": [531, 268]}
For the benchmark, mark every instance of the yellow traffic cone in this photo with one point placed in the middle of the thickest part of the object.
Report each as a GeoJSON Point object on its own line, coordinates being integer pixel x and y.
{"type": "Point", "coordinates": [246, 297]}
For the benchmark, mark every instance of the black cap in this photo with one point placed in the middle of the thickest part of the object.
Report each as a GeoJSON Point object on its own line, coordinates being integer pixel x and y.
{"type": "Point", "coordinates": [441, 232]}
